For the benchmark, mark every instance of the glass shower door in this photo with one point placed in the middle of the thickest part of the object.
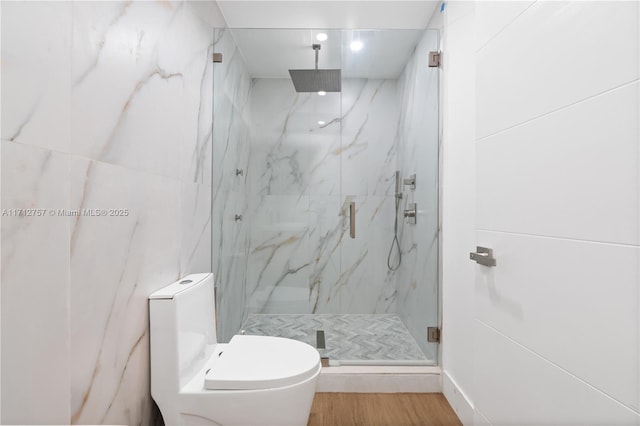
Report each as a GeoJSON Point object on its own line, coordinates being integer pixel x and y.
{"type": "Point", "coordinates": [389, 124]}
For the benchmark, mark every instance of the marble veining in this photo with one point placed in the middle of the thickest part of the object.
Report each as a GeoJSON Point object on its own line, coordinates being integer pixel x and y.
{"type": "Point", "coordinates": [302, 176]}
{"type": "Point", "coordinates": [35, 286]}
{"type": "Point", "coordinates": [106, 105]}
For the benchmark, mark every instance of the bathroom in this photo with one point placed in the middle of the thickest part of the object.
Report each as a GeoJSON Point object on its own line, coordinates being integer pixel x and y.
{"type": "Point", "coordinates": [133, 155]}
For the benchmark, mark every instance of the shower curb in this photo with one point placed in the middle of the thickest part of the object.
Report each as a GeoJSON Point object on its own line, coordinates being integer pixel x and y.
{"type": "Point", "coordinates": [380, 379]}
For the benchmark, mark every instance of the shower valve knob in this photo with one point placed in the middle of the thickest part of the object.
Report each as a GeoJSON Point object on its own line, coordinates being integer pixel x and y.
{"type": "Point", "coordinates": [410, 181]}
{"type": "Point", "coordinates": [410, 213]}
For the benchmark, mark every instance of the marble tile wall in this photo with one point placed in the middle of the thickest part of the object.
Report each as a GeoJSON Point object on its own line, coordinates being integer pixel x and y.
{"type": "Point", "coordinates": [370, 114]}
{"type": "Point", "coordinates": [302, 175]}
{"type": "Point", "coordinates": [417, 277]}
{"type": "Point", "coordinates": [105, 105]}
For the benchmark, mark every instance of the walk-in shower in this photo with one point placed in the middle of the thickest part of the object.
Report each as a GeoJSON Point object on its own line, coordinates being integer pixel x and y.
{"type": "Point", "coordinates": [319, 156]}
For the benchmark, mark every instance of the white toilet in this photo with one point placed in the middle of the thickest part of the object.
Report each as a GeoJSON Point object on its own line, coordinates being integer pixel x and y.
{"type": "Point", "coordinates": [251, 381]}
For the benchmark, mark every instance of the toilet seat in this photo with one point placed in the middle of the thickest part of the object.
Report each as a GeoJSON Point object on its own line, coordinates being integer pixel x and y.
{"type": "Point", "coordinates": [262, 362]}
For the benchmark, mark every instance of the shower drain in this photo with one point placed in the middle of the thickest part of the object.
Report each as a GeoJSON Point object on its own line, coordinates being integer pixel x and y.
{"type": "Point", "coordinates": [320, 343]}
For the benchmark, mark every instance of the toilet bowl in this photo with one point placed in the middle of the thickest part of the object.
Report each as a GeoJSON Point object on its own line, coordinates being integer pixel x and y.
{"type": "Point", "coordinates": [250, 381]}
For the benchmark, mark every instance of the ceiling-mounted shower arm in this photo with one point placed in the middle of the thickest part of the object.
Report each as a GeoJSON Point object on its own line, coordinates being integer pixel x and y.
{"type": "Point", "coordinates": [317, 48]}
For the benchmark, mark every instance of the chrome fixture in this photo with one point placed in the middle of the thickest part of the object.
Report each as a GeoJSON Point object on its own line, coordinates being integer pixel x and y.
{"type": "Point", "coordinates": [433, 334]}
{"type": "Point", "coordinates": [395, 242]}
{"type": "Point", "coordinates": [316, 80]}
{"type": "Point", "coordinates": [435, 59]}
{"type": "Point", "coordinates": [352, 219]}
{"type": "Point", "coordinates": [410, 181]}
{"type": "Point", "coordinates": [410, 214]}
{"type": "Point", "coordinates": [483, 256]}
{"type": "Point", "coordinates": [239, 172]}
{"type": "Point", "coordinates": [238, 217]}
{"type": "Point", "coordinates": [320, 340]}
{"type": "Point", "coordinates": [398, 185]}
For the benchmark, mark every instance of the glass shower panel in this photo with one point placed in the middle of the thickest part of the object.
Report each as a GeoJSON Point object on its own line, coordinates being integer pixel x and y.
{"type": "Point", "coordinates": [231, 153]}
{"type": "Point", "coordinates": [389, 124]}
{"type": "Point", "coordinates": [281, 213]}
{"type": "Point", "coordinates": [418, 153]}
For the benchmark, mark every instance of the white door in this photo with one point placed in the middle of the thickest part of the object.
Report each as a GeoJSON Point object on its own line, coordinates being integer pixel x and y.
{"type": "Point", "coordinates": [557, 157]}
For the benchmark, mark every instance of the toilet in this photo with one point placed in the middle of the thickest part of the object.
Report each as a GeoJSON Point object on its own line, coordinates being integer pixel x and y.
{"type": "Point", "coordinates": [250, 381]}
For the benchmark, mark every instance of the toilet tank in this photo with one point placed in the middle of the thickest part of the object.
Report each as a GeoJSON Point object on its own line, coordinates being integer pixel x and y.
{"type": "Point", "coordinates": [182, 330]}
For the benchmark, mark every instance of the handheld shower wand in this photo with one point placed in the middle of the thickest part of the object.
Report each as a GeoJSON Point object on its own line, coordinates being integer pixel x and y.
{"type": "Point", "coordinates": [395, 242]}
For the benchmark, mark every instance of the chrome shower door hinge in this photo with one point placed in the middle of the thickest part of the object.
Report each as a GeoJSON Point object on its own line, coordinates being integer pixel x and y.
{"type": "Point", "coordinates": [435, 59]}
{"type": "Point", "coordinates": [433, 334]}
{"type": "Point", "coordinates": [217, 58]}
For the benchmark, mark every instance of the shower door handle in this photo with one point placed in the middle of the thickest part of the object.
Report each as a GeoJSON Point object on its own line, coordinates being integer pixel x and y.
{"type": "Point", "coordinates": [352, 219]}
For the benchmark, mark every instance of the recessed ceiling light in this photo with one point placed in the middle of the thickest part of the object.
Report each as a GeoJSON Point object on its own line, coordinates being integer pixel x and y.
{"type": "Point", "coordinates": [322, 123]}
{"type": "Point", "coordinates": [356, 45]}
{"type": "Point", "coordinates": [322, 93]}
{"type": "Point", "coordinates": [321, 36]}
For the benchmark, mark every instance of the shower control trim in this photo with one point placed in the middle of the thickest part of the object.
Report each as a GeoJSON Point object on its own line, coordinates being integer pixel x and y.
{"type": "Point", "coordinates": [410, 213]}
{"type": "Point", "coordinates": [483, 256]}
{"type": "Point", "coordinates": [410, 181]}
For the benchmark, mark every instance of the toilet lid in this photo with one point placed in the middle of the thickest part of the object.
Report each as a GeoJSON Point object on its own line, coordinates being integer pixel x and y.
{"type": "Point", "coordinates": [262, 362]}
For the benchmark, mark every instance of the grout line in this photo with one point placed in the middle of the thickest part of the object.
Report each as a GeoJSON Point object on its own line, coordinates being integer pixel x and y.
{"type": "Point", "coordinates": [505, 27]}
{"type": "Point", "coordinates": [572, 104]}
{"type": "Point", "coordinates": [560, 238]}
{"type": "Point", "coordinates": [72, 156]}
{"type": "Point", "coordinates": [531, 351]}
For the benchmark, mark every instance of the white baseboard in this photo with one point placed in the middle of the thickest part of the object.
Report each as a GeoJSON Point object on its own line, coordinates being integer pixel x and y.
{"type": "Point", "coordinates": [380, 379]}
{"type": "Point", "coordinates": [458, 400]}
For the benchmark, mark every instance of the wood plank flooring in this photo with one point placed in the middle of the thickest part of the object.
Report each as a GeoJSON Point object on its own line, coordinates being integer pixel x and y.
{"type": "Point", "coordinates": [381, 409]}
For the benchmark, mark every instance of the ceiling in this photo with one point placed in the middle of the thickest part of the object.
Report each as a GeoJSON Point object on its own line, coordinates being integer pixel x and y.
{"type": "Point", "coordinates": [270, 53]}
{"type": "Point", "coordinates": [390, 14]}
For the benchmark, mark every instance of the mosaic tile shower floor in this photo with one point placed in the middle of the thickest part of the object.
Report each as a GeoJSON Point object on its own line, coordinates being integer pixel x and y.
{"type": "Point", "coordinates": [350, 339]}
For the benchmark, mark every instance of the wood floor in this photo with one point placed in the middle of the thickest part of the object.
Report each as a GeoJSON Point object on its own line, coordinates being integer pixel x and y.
{"type": "Point", "coordinates": [381, 409]}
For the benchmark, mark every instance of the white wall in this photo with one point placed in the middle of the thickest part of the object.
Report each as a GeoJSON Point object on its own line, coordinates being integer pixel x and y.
{"type": "Point", "coordinates": [458, 205]}
{"type": "Point", "coordinates": [338, 14]}
{"type": "Point", "coordinates": [555, 325]}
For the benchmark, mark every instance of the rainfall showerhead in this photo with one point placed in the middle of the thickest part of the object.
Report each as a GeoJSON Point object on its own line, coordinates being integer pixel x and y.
{"type": "Point", "coordinates": [316, 80]}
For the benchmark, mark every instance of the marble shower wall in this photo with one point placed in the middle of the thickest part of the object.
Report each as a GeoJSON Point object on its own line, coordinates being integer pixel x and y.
{"type": "Point", "coordinates": [105, 105]}
{"type": "Point", "coordinates": [417, 280]}
{"type": "Point", "coordinates": [230, 190]}
{"type": "Point", "coordinates": [302, 175]}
